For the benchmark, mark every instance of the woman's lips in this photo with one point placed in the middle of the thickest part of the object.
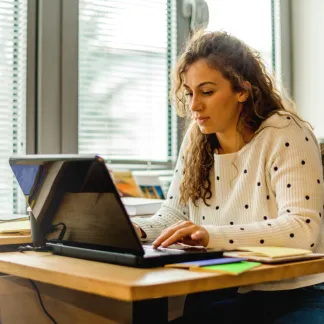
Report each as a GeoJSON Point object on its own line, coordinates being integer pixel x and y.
{"type": "Point", "coordinates": [201, 120]}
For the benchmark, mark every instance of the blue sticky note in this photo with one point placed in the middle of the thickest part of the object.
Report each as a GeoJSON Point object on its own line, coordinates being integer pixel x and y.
{"type": "Point", "coordinates": [203, 263]}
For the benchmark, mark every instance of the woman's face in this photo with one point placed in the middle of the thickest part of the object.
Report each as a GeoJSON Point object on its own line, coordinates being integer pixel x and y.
{"type": "Point", "coordinates": [213, 103]}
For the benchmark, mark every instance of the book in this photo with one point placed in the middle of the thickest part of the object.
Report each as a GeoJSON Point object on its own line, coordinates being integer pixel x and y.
{"type": "Point", "coordinates": [141, 206]}
{"type": "Point", "coordinates": [202, 263]}
{"type": "Point", "coordinates": [125, 183]}
{"type": "Point", "coordinates": [149, 184]}
{"type": "Point", "coordinates": [235, 268]}
{"type": "Point", "coordinates": [153, 192]}
{"type": "Point", "coordinates": [271, 254]}
{"type": "Point", "coordinates": [15, 227]}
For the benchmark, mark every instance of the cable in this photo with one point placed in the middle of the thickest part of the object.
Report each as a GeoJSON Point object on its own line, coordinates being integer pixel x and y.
{"type": "Point", "coordinates": [62, 233]}
{"type": "Point", "coordinates": [44, 248]}
{"type": "Point", "coordinates": [41, 302]}
{"type": "Point", "coordinates": [24, 248]}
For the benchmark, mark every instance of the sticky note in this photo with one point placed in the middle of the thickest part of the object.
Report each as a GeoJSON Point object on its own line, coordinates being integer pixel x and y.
{"type": "Point", "coordinates": [231, 268]}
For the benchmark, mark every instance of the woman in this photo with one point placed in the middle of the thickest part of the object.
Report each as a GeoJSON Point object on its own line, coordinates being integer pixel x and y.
{"type": "Point", "coordinates": [249, 173]}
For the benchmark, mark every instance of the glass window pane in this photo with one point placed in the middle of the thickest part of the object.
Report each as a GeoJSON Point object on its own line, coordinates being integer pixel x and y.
{"type": "Point", "coordinates": [13, 41]}
{"type": "Point", "coordinates": [123, 78]}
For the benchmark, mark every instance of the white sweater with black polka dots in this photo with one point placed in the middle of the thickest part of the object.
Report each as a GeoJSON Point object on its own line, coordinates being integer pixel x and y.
{"type": "Point", "coordinates": [270, 193]}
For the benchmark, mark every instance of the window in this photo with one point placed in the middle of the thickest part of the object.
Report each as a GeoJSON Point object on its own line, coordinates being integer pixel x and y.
{"type": "Point", "coordinates": [249, 20]}
{"type": "Point", "coordinates": [126, 49]}
{"type": "Point", "coordinates": [13, 41]}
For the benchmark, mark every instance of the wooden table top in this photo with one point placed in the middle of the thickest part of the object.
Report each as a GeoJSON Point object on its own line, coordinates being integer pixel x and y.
{"type": "Point", "coordinates": [129, 284]}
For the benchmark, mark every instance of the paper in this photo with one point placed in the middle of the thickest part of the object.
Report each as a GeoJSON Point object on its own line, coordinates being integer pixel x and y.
{"type": "Point", "coordinates": [271, 251]}
{"type": "Point", "coordinates": [269, 260]}
{"type": "Point", "coordinates": [231, 268]}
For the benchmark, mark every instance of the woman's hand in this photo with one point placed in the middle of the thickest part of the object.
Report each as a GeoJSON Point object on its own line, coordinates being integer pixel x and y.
{"type": "Point", "coordinates": [185, 232]}
{"type": "Point", "coordinates": [138, 230]}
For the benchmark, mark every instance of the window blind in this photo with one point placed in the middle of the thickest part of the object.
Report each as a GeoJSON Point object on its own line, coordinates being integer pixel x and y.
{"type": "Point", "coordinates": [126, 49]}
{"type": "Point", "coordinates": [13, 41]}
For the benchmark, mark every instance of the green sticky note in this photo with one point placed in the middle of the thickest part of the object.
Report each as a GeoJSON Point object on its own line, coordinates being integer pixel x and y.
{"type": "Point", "coordinates": [232, 268]}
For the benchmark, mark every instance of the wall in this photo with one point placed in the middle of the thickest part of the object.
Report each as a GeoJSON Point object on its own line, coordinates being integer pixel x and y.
{"type": "Point", "coordinates": [307, 17]}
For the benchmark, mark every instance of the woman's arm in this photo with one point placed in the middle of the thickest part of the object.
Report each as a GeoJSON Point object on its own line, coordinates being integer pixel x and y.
{"type": "Point", "coordinates": [295, 169]}
{"type": "Point", "coordinates": [171, 210]}
{"type": "Point", "coordinates": [294, 166]}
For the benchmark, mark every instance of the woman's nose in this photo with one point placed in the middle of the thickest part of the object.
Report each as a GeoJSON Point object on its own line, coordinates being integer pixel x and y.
{"type": "Point", "coordinates": [195, 104]}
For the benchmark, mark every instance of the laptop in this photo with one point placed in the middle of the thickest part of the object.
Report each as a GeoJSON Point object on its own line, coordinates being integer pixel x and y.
{"type": "Point", "coordinates": [76, 211]}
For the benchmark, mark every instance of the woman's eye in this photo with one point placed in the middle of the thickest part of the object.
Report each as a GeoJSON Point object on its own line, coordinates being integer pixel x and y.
{"type": "Point", "coordinates": [208, 93]}
{"type": "Point", "coordinates": [188, 94]}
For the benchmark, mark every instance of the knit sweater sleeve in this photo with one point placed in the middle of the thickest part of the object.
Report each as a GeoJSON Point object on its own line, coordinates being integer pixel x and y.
{"type": "Point", "coordinates": [294, 168]}
{"type": "Point", "coordinates": [171, 210]}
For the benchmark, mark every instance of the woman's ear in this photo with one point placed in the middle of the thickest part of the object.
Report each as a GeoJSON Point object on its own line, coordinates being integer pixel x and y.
{"type": "Point", "coordinates": [243, 95]}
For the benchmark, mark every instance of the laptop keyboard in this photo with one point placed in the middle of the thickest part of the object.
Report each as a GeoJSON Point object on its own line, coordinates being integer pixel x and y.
{"type": "Point", "coordinates": [149, 250]}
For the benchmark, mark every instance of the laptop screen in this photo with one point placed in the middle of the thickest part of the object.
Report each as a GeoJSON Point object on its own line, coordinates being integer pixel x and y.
{"type": "Point", "coordinates": [78, 192]}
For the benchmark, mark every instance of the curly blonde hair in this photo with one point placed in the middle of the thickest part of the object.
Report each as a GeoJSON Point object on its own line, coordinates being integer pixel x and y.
{"type": "Point", "coordinates": [238, 63]}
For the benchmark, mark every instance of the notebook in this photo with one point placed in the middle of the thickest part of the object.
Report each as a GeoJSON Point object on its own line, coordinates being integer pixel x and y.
{"type": "Point", "coordinates": [78, 212]}
{"type": "Point", "coordinates": [273, 254]}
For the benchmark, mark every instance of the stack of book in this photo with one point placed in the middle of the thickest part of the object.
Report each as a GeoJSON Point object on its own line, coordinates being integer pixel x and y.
{"type": "Point", "coordinates": [135, 184]}
{"type": "Point", "coordinates": [19, 226]}
{"type": "Point", "coordinates": [141, 192]}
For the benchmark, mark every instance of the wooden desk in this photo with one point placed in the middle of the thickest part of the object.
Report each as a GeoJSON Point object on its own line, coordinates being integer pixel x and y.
{"type": "Point", "coordinates": [146, 288]}
{"type": "Point", "coordinates": [15, 239]}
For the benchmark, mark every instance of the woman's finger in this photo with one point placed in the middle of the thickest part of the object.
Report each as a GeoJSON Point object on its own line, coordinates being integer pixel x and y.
{"type": "Point", "coordinates": [179, 235]}
{"type": "Point", "coordinates": [200, 236]}
{"type": "Point", "coordinates": [170, 231]}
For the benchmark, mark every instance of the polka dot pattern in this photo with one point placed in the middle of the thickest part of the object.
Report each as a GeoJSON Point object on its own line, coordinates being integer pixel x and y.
{"type": "Point", "coordinates": [255, 221]}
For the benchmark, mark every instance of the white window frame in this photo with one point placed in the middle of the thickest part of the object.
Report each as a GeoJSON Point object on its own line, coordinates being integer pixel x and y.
{"type": "Point", "coordinates": [52, 97]}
